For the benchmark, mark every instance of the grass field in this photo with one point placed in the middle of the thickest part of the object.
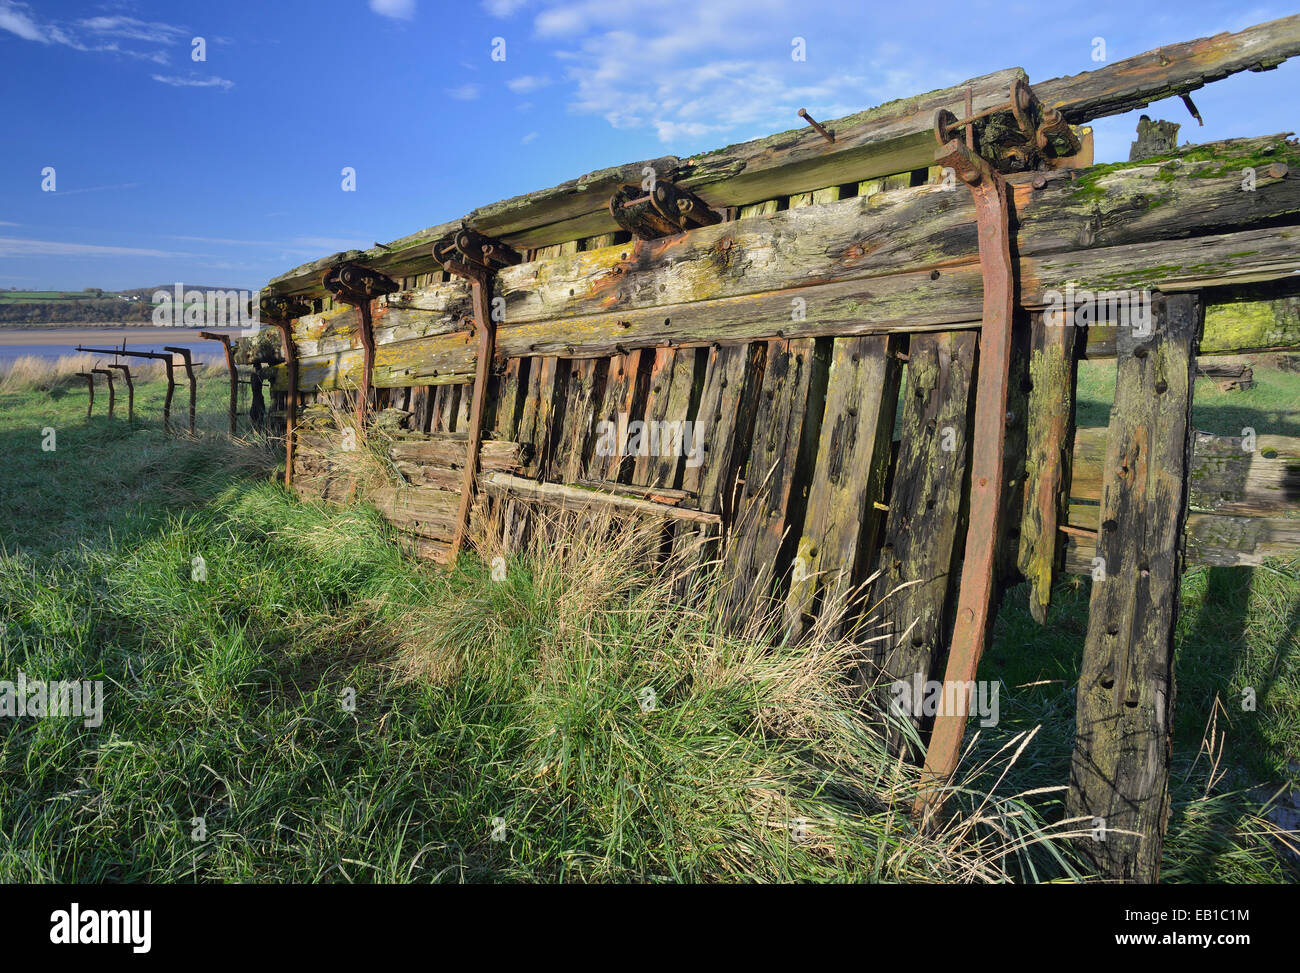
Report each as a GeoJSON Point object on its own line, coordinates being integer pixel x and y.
{"type": "Point", "coordinates": [38, 297]}
{"type": "Point", "coordinates": [323, 708]}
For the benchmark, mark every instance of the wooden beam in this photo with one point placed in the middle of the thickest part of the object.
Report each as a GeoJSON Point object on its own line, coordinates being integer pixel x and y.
{"type": "Point", "coordinates": [900, 261]}
{"type": "Point", "coordinates": [1119, 777]}
{"type": "Point", "coordinates": [568, 497]}
{"type": "Point", "coordinates": [1050, 446]}
{"type": "Point", "coordinates": [1172, 70]}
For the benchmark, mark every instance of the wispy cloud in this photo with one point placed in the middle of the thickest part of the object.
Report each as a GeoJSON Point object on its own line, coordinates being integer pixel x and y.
{"type": "Point", "coordinates": [136, 30]}
{"type": "Point", "coordinates": [14, 247]}
{"type": "Point", "coordinates": [528, 138]}
{"type": "Point", "coordinates": [192, 82]}
{"type": "Point", "coordinates": [16, 20]}
{"type": "Point", "coordinates": [396, 9]}
{"type": "Point", "coordinates": [299, 244]}
{"type": "Point", "coordinates": [692, 69]}
{"type": "Point", "coordinates": [93, 189]}
{"type": "Point", "coordinates": [106, 34]}
{"type": "Point", "coordinates": [503, 8]}
{"type": "Point", "coordinates": [528, 82]}
{"type": "Point", "coordinates": [465, 92]}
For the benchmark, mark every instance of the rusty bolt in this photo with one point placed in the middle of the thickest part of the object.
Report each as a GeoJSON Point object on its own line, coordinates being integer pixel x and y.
{"type": "Point", "coordinates": [1277, 170]}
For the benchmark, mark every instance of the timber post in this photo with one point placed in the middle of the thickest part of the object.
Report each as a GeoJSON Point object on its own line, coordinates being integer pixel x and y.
{"type": "Point", "coordinates": [1119, 775]}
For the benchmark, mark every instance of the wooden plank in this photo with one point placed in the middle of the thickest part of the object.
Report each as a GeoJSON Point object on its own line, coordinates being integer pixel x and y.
{"type": "Point", "coordinates": [767, 505]}
{"type": "Point", "coordinates": [920, 544]}
{"type": "Point", "coordinates": [535, 424]}
{"type": "Point", "coordinates": [1171, 70]}
{"type": "Point", "coordinates": [1050, 448]}
{"type": "Point", "coordinates": [732, 379]}
{"type": "Point", "coordinates": [616, 408]}
{"type": "Point", "coordinates": [672, 380]}
{"type": "Point", "coordinates": [1119, 775]}
{"type": "Point", "coordinates": [1231, 328]}
{"type": "Point", "coordinates": [570, 497]}
{"type": "Point", "coordinates": [509, 399]}
{"type": "Point", "coordinates": [1242, 503]}
{"type": "Point", "coordinates": [865, 267]}
{"type": "Point", "coordinates": [847, 491]}
{"type": "Point", "coordinates": [575, 432]}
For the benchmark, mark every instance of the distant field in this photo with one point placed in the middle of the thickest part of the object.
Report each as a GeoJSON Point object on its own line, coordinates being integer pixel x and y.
{"type": "Point", "coordinates": [30, 297]}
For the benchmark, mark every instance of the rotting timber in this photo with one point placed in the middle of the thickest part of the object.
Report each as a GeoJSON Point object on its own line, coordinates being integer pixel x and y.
{"type": "Point", "coordinates": [775, 297]}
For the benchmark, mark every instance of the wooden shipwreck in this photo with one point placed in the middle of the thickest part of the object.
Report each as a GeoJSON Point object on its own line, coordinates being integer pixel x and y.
{"type": "Point", "coordinates": [958, 248]}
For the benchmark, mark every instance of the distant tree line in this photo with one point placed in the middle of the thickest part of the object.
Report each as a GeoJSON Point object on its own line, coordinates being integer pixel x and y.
{"type": "Point", "coordinates": [75, 312]}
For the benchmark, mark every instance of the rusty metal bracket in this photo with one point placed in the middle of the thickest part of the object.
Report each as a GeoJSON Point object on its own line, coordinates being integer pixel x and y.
{"type": "Point", "coordinates": [231, 369]}
{"type": "Point", "coordinates": [125, 369]}
{"type": "Point", "coordinates": [357, 285]}
{"type": "Point", "coordinates": [168, 363]}
{"type": "Point", "coordinates": [281, 311]}
{"type": "Point", "coordinates": [112, 393]}
{"type": "Point", "coordinates": [467, 252]}
{"type": "Point", "coordinates": [666, 210]}
{"type": "Point", "coordinates": [1018, 135]}
{"type": "Point", "coordinates": [189, 374]}
{"type": "Point", "coordinates": [974, 601]}
{"type": "Point", "coordinates": [90, 385]}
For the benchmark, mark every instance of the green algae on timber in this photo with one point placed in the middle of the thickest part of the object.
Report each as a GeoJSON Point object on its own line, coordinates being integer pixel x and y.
{"type": "Point", "coordinates": [1232, 158]}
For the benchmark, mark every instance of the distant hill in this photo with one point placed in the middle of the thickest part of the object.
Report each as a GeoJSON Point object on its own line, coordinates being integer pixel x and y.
{"type": "Point", "coordinates": [89, 306]}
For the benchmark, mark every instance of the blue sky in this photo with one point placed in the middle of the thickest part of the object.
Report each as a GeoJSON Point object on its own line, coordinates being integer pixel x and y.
{"type": "Point", "coordinates": [228, 171]}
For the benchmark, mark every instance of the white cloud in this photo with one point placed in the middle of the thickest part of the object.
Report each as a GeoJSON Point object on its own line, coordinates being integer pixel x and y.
{"type": "Point", "coordinates": [95, 34]}
{"type": "Point", "coordinates": [192, 82]}
{"type": "Point", "coordinates": [13, 247]}
{"type": "Point", "coordinates": [300, 244]}
{"type": "Point", "coordinates": [503, 8]}
{"type": "Point", "coordinates": [396, 9]}
{"type": "Point", "coordinates": [466, 92]}
{"type": "Point", "coordinates": [15, 20]}
{"type": "Point", "coordinates": [528, 82]}
{"type": "Point", "coordinates": [528, 138]}
{"type": "Point", "coordinates": [93, 189]}
{"type": "Point", "coordinates": [692, 70]}
{"type": "Point", "coordinates": [136, 30]}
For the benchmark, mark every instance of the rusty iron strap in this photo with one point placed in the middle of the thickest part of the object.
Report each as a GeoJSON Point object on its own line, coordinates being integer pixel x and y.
{"type": "Point", "coordinates": [464, 261]}
{"type": "Point", "coordinates": [357, 285]}
{"type": "Point", "coordinates": [112, 394]}
{"type": "Point", "coordinates": [476, 258]}
{"type": "Point", "coordinates": [130, 389]}
{"type": "Point", "coordinates": [232, 370]}
{"type": "Point", "coordinates": [280, 311]}
{"type": "Point", "coordinates": [168, 363]}
{"type": "Point", "coordinates": [189, 374]}
{"type": "Point", "coordinates": [976, 594]}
